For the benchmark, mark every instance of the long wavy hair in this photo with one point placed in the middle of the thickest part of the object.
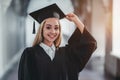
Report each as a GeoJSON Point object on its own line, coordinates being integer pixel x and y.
{"type": "Point", "coordinates": [39, 36]}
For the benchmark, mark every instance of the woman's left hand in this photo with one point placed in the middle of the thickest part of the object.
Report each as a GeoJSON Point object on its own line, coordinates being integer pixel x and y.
{"type": "Point", "coordinates": [74, 18]}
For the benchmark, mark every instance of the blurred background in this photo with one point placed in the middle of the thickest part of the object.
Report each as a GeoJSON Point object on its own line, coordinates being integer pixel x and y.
{"type": "Point", "coordinates": [101, 18]}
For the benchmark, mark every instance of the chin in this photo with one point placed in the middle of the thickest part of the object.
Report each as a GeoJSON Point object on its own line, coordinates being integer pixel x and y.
{"type": "Point", "coordinates": [51, 40]}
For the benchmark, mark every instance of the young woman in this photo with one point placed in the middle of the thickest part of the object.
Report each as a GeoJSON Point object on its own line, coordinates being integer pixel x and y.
{"type": "Point", "coordinates": [45, 60]}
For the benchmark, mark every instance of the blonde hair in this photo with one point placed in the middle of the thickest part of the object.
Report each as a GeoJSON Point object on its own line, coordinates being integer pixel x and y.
{"type": "Point", "coordinates": [39, 36]}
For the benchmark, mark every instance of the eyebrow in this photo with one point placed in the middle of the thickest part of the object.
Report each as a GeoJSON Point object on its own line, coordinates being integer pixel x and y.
{"type": "Point", "coordinates": [48, 24]}
{"type": "Point", "coordinates": [51, 25]}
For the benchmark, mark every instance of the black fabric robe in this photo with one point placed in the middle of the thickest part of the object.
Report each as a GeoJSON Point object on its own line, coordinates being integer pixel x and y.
{"type": "Point", "coordinates": [35, 64]}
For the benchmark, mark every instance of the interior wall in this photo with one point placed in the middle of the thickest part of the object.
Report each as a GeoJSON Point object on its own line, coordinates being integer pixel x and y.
{"type": "Point", "coordinates": [1, 40]}
{"type": "Point", "coordinates": [12, 32]}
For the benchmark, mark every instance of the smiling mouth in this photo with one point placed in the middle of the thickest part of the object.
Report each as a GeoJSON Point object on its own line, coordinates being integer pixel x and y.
{"type": "Point", "coordinates": [52, 36]}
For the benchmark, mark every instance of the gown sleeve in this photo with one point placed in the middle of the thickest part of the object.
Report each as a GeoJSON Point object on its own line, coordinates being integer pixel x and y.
{"type": "Point", "coordinates": [79, 49]}
{"type": "Point", "coordinates": [26, 66]}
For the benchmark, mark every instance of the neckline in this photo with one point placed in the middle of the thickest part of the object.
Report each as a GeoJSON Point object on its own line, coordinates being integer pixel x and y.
{"type": "Point", "coordinates": [43, 51]}
{"type": "Point", "coordinates": [46, 47]}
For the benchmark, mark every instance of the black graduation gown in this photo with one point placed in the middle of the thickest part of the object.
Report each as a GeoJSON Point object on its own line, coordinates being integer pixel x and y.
{"type": "Point", "coordinates": [35, 64]}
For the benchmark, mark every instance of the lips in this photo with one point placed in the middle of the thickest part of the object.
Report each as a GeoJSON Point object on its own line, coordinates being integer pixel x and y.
{"type": "Point", "coordinates": [52, 36]}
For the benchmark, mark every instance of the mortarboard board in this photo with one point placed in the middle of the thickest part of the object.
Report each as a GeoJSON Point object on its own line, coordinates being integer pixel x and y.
{"type": "Point", "coordinates": [47, 12]}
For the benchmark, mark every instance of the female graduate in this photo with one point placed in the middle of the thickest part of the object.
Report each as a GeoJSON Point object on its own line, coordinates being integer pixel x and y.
{"type": "Point", "coordinates": [45, 60]}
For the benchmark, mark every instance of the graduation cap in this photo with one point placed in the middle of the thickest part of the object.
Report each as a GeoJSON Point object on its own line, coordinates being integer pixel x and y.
{"type": "Point", "coordinates": [51, 11]}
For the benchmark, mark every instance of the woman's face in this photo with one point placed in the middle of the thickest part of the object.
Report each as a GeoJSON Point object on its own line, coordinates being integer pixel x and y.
{"type": "Point", "coordinates": [51, 30]}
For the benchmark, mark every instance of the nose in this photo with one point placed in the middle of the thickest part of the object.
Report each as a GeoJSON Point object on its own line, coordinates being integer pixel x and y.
{"type": "Point", "coordinates": [53, 31]}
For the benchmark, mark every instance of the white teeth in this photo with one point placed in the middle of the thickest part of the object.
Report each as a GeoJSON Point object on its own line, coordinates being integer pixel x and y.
{"type": "Point", "coordinates": [52, 36]}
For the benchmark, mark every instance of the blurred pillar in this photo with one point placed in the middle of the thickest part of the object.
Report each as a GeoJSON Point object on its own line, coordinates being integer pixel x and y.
{"type": "Point", "coordinates": [4, 4]}
{"type": "Point", "coordinates": [1, 48]}
{"type": "Point", "coordinates": [108, 58]}
{"type": "Point", "coordinates": [83, 8]}
{"type": "Point", "coordinates": [112, 63]}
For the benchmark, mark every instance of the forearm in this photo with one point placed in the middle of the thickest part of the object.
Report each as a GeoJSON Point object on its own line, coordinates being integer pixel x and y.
{"type": "Point", "coordinates": [79, 25]}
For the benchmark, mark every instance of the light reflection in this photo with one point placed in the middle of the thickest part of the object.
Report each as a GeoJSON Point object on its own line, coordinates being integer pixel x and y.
{"type": "Point", "coordinates": [116, 26]}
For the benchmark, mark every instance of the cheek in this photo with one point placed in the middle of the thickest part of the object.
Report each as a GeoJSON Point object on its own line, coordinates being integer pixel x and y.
{"type": "Point", "coordinates": [44, 33]}
{"type": "Point", "coordinates": [58, 32]}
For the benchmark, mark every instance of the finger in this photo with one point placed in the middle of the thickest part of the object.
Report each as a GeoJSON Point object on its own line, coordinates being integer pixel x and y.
{"type": "Point", "coordinates": [67, 17]}
{"type": "Point", "coordinates": [69, 14]}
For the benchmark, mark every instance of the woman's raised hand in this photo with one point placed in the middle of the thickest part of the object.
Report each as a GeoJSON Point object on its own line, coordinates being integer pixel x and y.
{"type": "Point", "coordinates": [74, 18]}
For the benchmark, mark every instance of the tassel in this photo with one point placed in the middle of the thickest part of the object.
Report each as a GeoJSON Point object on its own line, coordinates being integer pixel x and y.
{"type": "Point", "coordinates": [34, 28]}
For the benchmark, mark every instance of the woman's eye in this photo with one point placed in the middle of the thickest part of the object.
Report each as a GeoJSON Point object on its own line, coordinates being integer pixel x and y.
{"type": "Point", "coordinates": [56, 28]}
{"type": "Point", "coordinates": [48, 27]}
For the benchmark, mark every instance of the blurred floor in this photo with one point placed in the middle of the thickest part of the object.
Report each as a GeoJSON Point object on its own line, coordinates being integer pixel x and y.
{"type": "Point", "coordinates": [94, 70]}
{"type": "Point", "coordinates": [91, 72]}
{"type": "Point", "coordinates": [12, 74]}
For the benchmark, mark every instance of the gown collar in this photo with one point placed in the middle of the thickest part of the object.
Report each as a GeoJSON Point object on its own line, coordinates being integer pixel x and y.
{"type": "Point", "coordinates": [49, 50]}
